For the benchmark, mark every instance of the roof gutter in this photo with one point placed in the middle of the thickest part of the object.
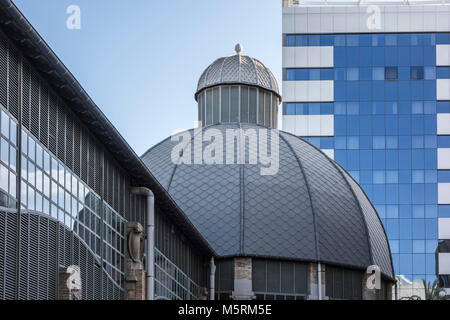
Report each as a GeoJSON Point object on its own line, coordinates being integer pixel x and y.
{"type": "Point", "coordinates": [79, 92]}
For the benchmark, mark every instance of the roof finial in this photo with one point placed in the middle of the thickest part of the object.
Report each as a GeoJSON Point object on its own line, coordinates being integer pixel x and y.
{"type": "Point", "coordinates": [238, 48]}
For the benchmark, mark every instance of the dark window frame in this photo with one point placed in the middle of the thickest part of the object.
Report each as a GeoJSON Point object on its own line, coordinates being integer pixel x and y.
{"type": "Point", "coordinates": [417, 73]}
{"type": "Point", "coordinates": [391, 73]}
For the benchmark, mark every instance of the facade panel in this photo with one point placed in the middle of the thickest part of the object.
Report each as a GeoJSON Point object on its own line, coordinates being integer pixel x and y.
{"type": "Point", "coordinates": [444, 158]}
{"type": "Point", "coordinates": [309, 90]}
{"type": "Point", "coordinates": [444, 193]}
{"type": "Point", "coordinates": [443, 124]}
{"type": "Point", "coordinates": [444, 263]}
{"type": "Point", "coordinates": [308, 57]}
{"type": "Point", "coordinates": [443, 89]}
{"type": "Point", "coordinates": [443, 55]}
{"type": "Point", "coordinates": [444, 228]}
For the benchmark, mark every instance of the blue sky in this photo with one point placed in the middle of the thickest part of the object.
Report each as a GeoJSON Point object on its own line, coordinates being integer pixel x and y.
{"type": "Point", "coordinates": [140, 60]}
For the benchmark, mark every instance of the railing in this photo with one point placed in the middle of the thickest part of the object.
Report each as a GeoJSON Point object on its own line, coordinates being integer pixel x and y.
{"type": "Point", "coordinates": [296, 3]}
{"type": "Point", "coordinates": [171, 283]}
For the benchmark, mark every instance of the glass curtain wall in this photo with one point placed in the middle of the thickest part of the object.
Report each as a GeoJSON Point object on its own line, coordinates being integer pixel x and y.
{"type": "Point", "coordinates": [385, 109]}
{"type": "Point", "coordinates": [49, 187]}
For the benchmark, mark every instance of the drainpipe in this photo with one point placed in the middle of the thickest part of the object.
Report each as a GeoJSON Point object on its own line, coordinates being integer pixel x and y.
{"type": "Point", "coordinates": [212, 279]}
{"type": "Point", "coordinates": [150, 230]}
{"type": "Point", "coordinates": [319, 282]}
{"type": "Point", "coordinates": [396, 289]}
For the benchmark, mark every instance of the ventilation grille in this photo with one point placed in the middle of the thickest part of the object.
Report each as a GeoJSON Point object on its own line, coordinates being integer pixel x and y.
{"type": "Point", "coordinates": [33, 257]}
{"type": "Point", "coordinates": [43, 258]}
{"type": "Point", "coordinates": [91, 165]}
{"type": "Point", "coordinates": [3, 72]}
{"type": "Point", "coordinates": [61, 122]}
{"type": "Point", "coordinates": [34, 105]}
{"type": "Point", "coordinates": [76, 150]}
{"type": "Point", "coordinates": [44, 112]}
{"type": "Point", "coordinates": [69, 142]}
{"type": "Point", "coordinates": [13, 85]}
{"type": "Point", "coordinates": [52, 260]}
{"type": "Point", "coordinates": [84, 156]}
{"type": "Point", "coordinates": [26, 87]}
{"type": "Point", "coordinates": [23, 257]}
{"type": "Point", "coordinates": [53, 116]}
{"type": "Point", "coordinates": [10, 245]}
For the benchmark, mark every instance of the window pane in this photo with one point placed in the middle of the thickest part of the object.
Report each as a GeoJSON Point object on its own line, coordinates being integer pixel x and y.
{"type": "Point", "coordinates": [273, 276]}
{"type": "Point", "coordinates": [54, 169]}
{"type": "Point", "coordinates": [377, 74]}
{"type": "Point", "coordinates": [267, 107]}
{"type": "Point", "coordinates": [46, 186]}
{"type": "Point", "coordinates": [3, 178]}
{"type": "Point", "coordinates": [417, 73]}
{"type": "Point", "coordinates": [4, 151]}
{"type": "Point", "coordinates": [12, 184]}
{"type": "Point", "coordinates": [225, 104]}
{"type": "Point", "coordinates": [287, 277]}
{"type": "Point", "coordinates": [390, 73]}
{"type": "Point", "coordinates": [208, 116]}
{"type": "Point", "coordinates": [216, 107]}
{"type": "Point", "coordinates": [5, 124]}
{"type": "Point", "coordinates": [13, 132]}
{"type": "Point", "coordinates": [31, 149]}
{"type": "Point", "coordinates": [39, 155]}
{"type": "Point", "coordinates": [244, 104]}
{"type": "Point", "coordinates": [259, 275]}
{"type": "Point", "coordinates": [234, 104]}
{"type": "Point", "coordinates": [31, 198]}
{"type": "Point", "coordinates": [252, 105]}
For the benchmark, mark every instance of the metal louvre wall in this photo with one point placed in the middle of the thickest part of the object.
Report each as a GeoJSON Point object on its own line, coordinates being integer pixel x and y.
{"type": "Point", "coordinates": [41, 245]}
{"type": "Point", "coordinates": [343, 283]}
{"type": "Point", "coordinates": [34, 107]}
{"type": "Point", "coordinates": [37, 276]}
{"type": "Point", "coordinates": [224, 278]}
{"type": "Point", "coordinates": [279, 278]}
{"type": "Point", "coordinates": [3, 72]}
{"type": "Point", "coordinates": [13, 85]}
{"type": "Point", "coordinates": [53, 111]}
{"type": "Point", "coordinates": [137, 211]}
{"type": "Point", "coordinates": [32, 277]}
{"type": "Point", "coordinates": [44, 114]}
{"type": "Point", "coordinates": [178, 250]}
{"type": "Point", "coordinates": [8, 252]}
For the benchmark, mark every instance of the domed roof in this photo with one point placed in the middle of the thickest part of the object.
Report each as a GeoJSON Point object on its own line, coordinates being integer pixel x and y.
{"type": "Point", "coordinates": [311, 210]}
{"type": "Point", "coordinates": [238, 69]}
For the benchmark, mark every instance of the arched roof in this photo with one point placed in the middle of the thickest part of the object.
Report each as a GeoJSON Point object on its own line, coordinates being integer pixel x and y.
{"type": "Point", "coordinates": [238, 69]}
{"type": "Point", "coordinates": [311, 210]}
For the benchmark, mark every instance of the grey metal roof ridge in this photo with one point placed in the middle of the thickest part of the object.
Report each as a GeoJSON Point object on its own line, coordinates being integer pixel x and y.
{"type": "Point", "coordinates": [337, 166]}
{"type": "Point", "coordinates": [378, 217]}
{"type": "Point", "coordinates": [316, 232]}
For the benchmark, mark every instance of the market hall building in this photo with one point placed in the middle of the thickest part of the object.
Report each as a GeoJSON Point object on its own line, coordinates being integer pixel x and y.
{"type": "Point", "coordinates": [83, 217]}
{"type": "Point", "coordinates": [68, 186]}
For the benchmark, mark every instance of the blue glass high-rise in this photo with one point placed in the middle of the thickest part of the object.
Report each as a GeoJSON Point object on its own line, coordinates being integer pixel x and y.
{"type": "Point", "coordinates": [385, 133]}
